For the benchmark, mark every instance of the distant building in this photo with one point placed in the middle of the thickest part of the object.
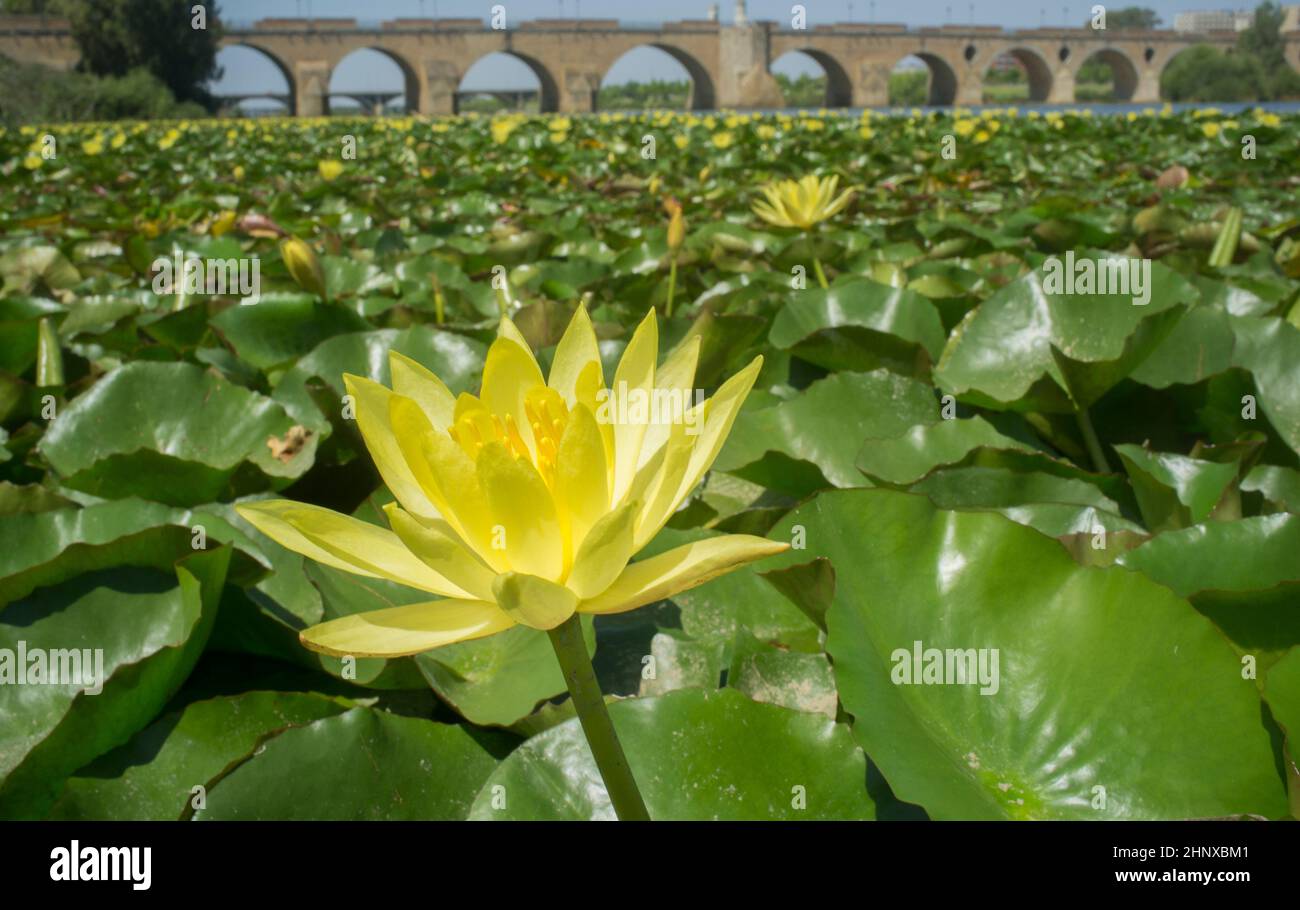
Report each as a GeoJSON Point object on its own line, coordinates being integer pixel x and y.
{"type": "Point", "coordinates": [1291, 19]}
{"type": "Point", "coordinates": [1214, 21]}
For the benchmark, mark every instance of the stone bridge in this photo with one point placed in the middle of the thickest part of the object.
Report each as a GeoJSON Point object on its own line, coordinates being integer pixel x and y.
{"type": "Point", "coordinates": [729, 64]}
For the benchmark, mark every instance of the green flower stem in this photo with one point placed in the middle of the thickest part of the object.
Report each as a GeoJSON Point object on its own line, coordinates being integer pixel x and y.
{"type": "Point", "coordinates": [672, 287]}
{"type": "Point", "coordinates": [571, 651]}
{"type": "Point", "coordinates": [1090, 439]}
{"type": "Point", "coordinates": [821, 276]}
{"type": "Point", "coordinates": [439, 303]}
{"type": "Point", "coordinates": [49, 358]}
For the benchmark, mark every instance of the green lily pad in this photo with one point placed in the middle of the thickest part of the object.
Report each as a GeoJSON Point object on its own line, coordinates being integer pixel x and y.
{"type": "Point", "coordinates": [1005, 345]}
{"type": "Point", "coordinates": [362, 765]}
{"type": "Point", "coordinates": [860, 325]}
{"type": "Point", "coordinates": [171, 432]}
{"type": "Point", "coordinates": [1175, 491]}
{"type": "Point", "coordinates": [147, 627]}
{"type": "Point", "coordinates": [825, 426]}
{"type": "Point", "coordinates": [1243, 574]}
{"type": "Point", "coordinates": [153, 777]}
{"type": "Point", "coordinates": [275, 332]}
{"type": "Point", "coordinates": [908, 458]}
{"type": "Point", "coordinates": [693, 756]}
{"type": "Point", "coordinates": [1096, 668]}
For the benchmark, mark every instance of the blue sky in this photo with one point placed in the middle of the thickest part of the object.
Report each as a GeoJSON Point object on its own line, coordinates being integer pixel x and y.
{"type": "Point", "coordinates": [247, 71]}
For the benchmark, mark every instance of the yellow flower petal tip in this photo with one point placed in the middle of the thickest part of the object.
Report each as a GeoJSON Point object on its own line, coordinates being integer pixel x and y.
{"type": "Point", "coordinates": [527, 502]}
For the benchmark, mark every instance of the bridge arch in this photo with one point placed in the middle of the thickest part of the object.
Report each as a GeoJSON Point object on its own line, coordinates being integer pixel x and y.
{"type": "Point", "coordinates": [1123, 70]}
{"type": "Point", "coordinates": [410, 80]}
{"type": "Point", "coordinates": [839, 87]}
{"type": "Point", "coordinates": [290, 88]}
{"type": "Point", "coordinates": [941, 90]}
{"type": "Point", "coordinates": [548, 90]}
{"type": "Point", "coordinates": [1038, 72]}
{"type": "Point", "coordinates": [703, 93]}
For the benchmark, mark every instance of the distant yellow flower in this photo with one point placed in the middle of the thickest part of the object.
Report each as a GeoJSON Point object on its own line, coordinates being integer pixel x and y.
{"type": "Point", "coordinates": [681, 140]}
{"type": "Point", "coordinates": [329, 169]}
{"type": "Point", "coordinates": [502, 128]}
{"type": "Point", "coordinates": [802, 203]}
{"type": "Point", "coordinates": [812, 124]}
{"type": "Point", "coordinates": [33, 161]}
{"type": "Point", "coordinates": [963, 128]}
{"type": "Point", "coordinates": [558, 137]}
{"type": "Point", "coordinates": [238, 172]}
{"type": "Point", "coordinates": [523, 504]}
{"type": "Point", "coordinates": [223, 223]}
{"type": "Point", "coordinates": [93, 146]}
{"type": "Point", "coordinates": [169, 139]}
{"type": "Point", "coordinates": [866, 132]}
{"type": "Point", "coordinates": [982, 136]}
{"type": "Point", "coordinates": [766, 131]}
{"type": "Point", "coordinates": [118, 140]}
{"type": "Point", "coordinates": [723, 140]}
{"type": "Point", "coordinates": [1211, 130]}
{"type": "Point", "coordinates": [1264, 118]}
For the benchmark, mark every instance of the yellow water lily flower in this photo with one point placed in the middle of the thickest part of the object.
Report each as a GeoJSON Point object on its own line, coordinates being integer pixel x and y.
{"type": "Point", "coordinates": [523, 504]}
{"type": "Point", "coordinates": [329, 169]}
{"type": "Point", "coordinates": [802, 203]}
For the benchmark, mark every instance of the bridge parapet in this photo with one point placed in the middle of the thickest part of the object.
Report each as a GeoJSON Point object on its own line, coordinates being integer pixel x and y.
{"type": "Point", "coordinates": [306, 25]}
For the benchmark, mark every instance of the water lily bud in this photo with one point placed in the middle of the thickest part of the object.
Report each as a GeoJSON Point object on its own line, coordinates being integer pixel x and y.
{"type": "Point", "coordinates": [303, 265]}
{"type": "Point", "coordinates": [676, 229]}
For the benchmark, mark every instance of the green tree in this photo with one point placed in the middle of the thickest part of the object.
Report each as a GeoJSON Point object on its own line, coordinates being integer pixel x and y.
{"type": "Point", "coordinates": [1263, 38]}
{"type": "Point", "coordinates": [118, 36]}
{"type": "Point", "coordinates": [1130, 17]}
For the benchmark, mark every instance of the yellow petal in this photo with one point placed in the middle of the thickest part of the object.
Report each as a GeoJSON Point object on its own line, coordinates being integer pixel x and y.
{"type": "Point", "coordinates": [413, 381]}
{"type": "Point", "coordinates": [437, 546]}
{"type": "Point", "coordinates": [508, 374]}
{"type": "Point", "coordinates": [523, 513]}
{"type": "Point", "coordinates": [679, 569]}
{"type": "Point", "coordinates": [576, 350]}
{"type": "Point", "coordinates": [633, 382]}
{"type": "Point", "coordinates": [604, 553]}
{"type": "Point", "coordinates": [448, 477]}
{"type": "Point", "coordinates": [719, 414]}
{"type": "Point", "coordinates": [345, 543]}
{"type": "Point", "coordinates": [661, 494]}
{"type": "Point", "coordinates": [582, 474]}
{"type": "Point", "coordinates": [507, 329]}
{"type": "Point", "coordinates": [372, 402]}
{"type": "Point", "coordinates": [591, 393]}
{"type": "Point", "coordinates": [674, 385]}
{"type": "Point", "coordinates": [401, 631]}
{"type": "Point", "coordinates": [533, 601]}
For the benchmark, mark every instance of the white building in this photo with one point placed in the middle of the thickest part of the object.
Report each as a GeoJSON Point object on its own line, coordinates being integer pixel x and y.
{"type": "Point", "coordinates": [1214, 20]}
